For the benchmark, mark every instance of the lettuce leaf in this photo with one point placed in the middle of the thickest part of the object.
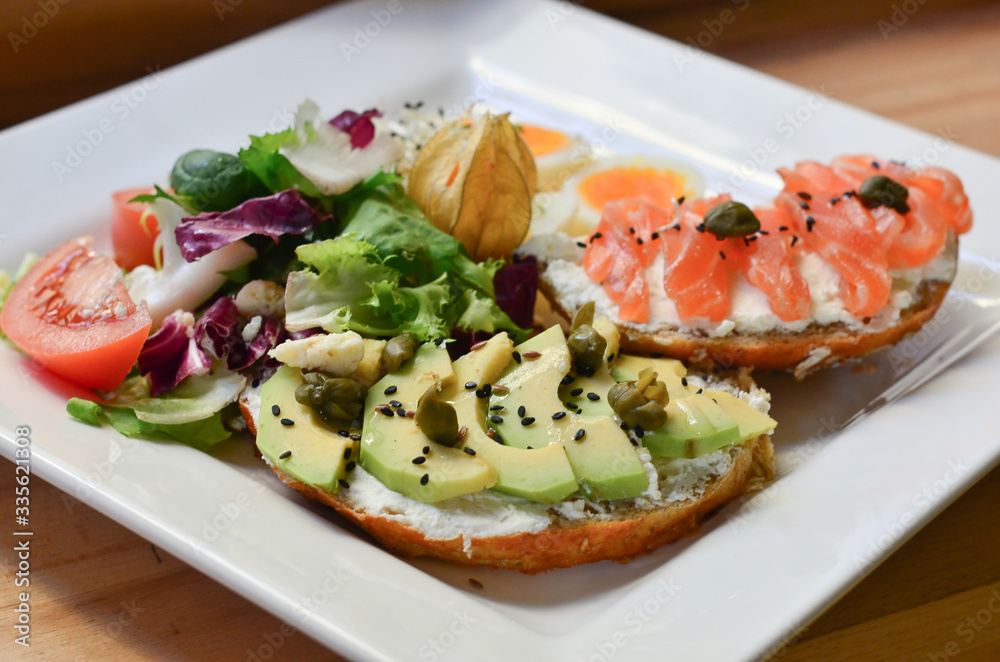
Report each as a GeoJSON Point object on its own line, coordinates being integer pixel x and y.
{"type": "Point", "coordinates": [349, 287]}
{"type": "Point", "coordinates": [381, 214]}
{"type": "Point", "coordinates": [201, 434]}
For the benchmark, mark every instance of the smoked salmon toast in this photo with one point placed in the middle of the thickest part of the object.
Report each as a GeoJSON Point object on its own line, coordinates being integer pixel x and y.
{"type": "Point", "coordinates": [849, 257]}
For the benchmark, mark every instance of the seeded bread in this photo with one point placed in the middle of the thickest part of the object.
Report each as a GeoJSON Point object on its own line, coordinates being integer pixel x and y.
{"type": "Point", "coordinates": [804, 352]}
{"type": "Point", "coordinates": [572, 533]}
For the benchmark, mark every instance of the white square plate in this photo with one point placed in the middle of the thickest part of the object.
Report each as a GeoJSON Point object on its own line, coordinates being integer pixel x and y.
{"type": "Point", "coordinates": [761, 569]}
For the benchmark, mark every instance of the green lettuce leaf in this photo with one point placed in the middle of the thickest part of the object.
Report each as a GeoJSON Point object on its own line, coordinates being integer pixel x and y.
{"type": "Point", "coordinates": [202, 434]}
{"type": "Point", "coordinates": [349, 287]}
{"type": "Point", "coordinates": [383, 215]}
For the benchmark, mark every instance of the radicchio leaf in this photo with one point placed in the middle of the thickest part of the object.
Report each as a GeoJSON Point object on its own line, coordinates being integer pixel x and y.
{"type": "Point", "coordinates": [171, 354]}
{"type": "Point", "coordinates": [516, 285]}
{"type": "Point", "coordinates": [357, 125]}
{"type": "Point", "coordinates": [245, 353]}
{"type": "Point", "coordinates": [283, 213]}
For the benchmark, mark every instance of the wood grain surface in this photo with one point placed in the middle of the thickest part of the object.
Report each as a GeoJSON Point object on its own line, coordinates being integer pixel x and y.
{"type": "Point", "coordinates": [100, 592]}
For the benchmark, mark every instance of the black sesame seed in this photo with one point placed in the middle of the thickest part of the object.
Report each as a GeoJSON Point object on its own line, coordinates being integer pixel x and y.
{"type": "Point", "coordinates": [722, 255]}
{"type": "Point", "coordinates": [496, 419]}
{"type": "Point", "coordinates": [511, 335]}
{"type": "Point", "coordinates": [527, 420]}
{"type": "Point", "coordinates": [276, 410]}
{"type": "Point", "coordinates": [347, 453]}
{"type": "Point", "coordinates": [753, 238]}
{"type": "Point", "coordinates": [639, 432]}
{"type": "Point", "coordinates": [285, 455]}
{"type": "Point", "coordinates": [593, 396]}
{"type": "Point", "coordinates": [395, 403]}
{"type": "Point", "coordinates": [487, 389]}
{"type": "Point", "coordinates": [255, 383]}
{"type": "Point", "coordinates": [559, 414]}
{"type": "Point", "coordinates": [634, 442]}
{"type": "Point", "coordinates": [496, 408]}
{"type": "Point", "coordinates": [470, 385]}
{"type": "Point", "coordinates": [654, 236]}
{"type": "Point", "coordinates": [763, 232]}
{"type": "Point", "coordinates": [468, 451]}
{"type": "Point", "coordinates": [624, 426]}
{"type": "Point", "coordinates": [425, 479]}
{"type": "Point", "coordinates": [497, 438]}
{"type": "Point", "coordinates": [656, 355]}
{"type": "Point", "coordinates": [385, 411]}
{"type": "Point", "coordinates": [834, 201]}
{"type": "Point", "coordinates": [521, 411]}
{"type": "Point", "coordinates": [577, 391]}
{"type": "Point", "coordinates": [631, 230]}
{"type": "Point", "coordinates": [581, 244]}
{"type": "Point", "coordinates": [597, 235]}
{"type": "Point", "coordinates": [875, 165]}
{"type": "Point", "coordinates": [804, 195]}
{"type": "Point", "coordinates": [810, 222]}
{"type": "Point", "coordinates": [782, 228]}
{"type": "Point", "coordinates": [700, 227]}
{"type": "Point", "coordinates": [572, 405]}
{"type": "Point", "coordinates": [580, 434]}
{"type": "Point", "coordinates": [676, 227]}
{"type": "Point", "coordinates": [680, 200]}
{"type": "Point", "coordinates": [568, 379]}
{"type": "Point", "coordinates": [343, 483]}
{"type": "Point", "coordinates": [699, 391]}
{"type": "Point", "coordinates": [638, 240]}
{"type": "Point", "coordinates": [684, 381]}
{"type": "Point", "coordinates": [516, 356]}
{"type": "Point", "coordinates": [287, 422]}
{"type": "Point", "coordinates": [350, 466]}
{"type": "Point", "coordinates": [803, 205]}
{"type": "Point", "coordinates": [426, 450]}
{"type": "Point", "coordinates": [389, 390]}
{"type": "Point", "coordinates": [611, 357]}
{"type": "Point", "coordinates": [344, 433]}
{"type": "Point", "coordinates": [420, 459]}
{"type": "Point", "coordinates": [794, 239]}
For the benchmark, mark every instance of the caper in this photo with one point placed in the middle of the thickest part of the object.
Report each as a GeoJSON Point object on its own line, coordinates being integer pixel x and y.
{"type": "Point", "coordinates": [587, 347]}
{"type": "Point", "coordinates": [398, 350]}
{"type": "Point", "coordinates": [731, 219]}
{"type": "Point", "coordinates": [634, 408]}
{"type": "Point", "coordinates": [436, 418]}
{"type": "Point", "coordinates": [333, 398]}
{"type": "Point", "coordinates": [881, 191]}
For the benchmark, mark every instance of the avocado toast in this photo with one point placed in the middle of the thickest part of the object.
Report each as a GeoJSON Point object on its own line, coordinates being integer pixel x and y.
{"type": "Point", "coordinates": [542, 471]}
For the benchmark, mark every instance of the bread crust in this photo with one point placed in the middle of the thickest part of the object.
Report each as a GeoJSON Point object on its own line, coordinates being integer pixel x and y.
{"type": "Point", "coordinates": [629, 533]}
{"type": "Point", "coordinates": [804, 352]}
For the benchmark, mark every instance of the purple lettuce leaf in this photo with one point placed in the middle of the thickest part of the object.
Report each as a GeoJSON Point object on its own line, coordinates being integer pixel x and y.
{"type": "Point", "coordinates": [171, 354]}
{"type": "Point", "coordinates": [357, 125]}
{"type": "Point", "coordinates": [244, 354]}
{"type": "Point", "coordinates": [516, 285]}
{"type": "Point", "coordinates": [217, 331]}
{"type": "Point", "coordinates": [283, 213]}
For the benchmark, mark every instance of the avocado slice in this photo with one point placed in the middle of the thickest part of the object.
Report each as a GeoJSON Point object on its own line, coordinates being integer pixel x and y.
{"type": "Point", "coordinates": [318, 456]}
{"type": "Point", "coordinates": [603, 458]}
{"type": "Point", "coordinates": [392, 445]}
{"type": "Point", "coordinates": [543, 474]}
{"type": "Point", "coordinates": [697, 422]}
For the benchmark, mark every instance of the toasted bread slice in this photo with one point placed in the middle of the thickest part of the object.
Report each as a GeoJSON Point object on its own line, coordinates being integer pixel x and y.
{"type": "Point", "coordinates": [500, 531]}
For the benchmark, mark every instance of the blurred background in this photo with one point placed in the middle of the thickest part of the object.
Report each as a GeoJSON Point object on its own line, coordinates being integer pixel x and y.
{"type": "Point", "coordinates": [60, 51]}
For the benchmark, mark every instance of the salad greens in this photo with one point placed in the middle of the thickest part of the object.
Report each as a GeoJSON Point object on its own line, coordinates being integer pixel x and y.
{"type": "Point", "coordinates": [314, 211]}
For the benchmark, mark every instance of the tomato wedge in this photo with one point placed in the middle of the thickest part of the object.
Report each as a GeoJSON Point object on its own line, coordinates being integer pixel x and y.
{"type": "Point", "coordinates": [72, 314]}
{"type": "Point", "coordinates": [132, 236]}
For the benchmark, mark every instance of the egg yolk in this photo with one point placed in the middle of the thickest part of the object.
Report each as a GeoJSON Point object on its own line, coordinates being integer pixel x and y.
{"type": "Point", "coordinates": [660, 187]}
{"type": "Point", "coordinates": [542, 141]}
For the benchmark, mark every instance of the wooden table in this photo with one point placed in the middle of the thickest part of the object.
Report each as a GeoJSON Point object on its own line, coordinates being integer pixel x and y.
{"type": "Point", "coordinates": [101, 592]}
